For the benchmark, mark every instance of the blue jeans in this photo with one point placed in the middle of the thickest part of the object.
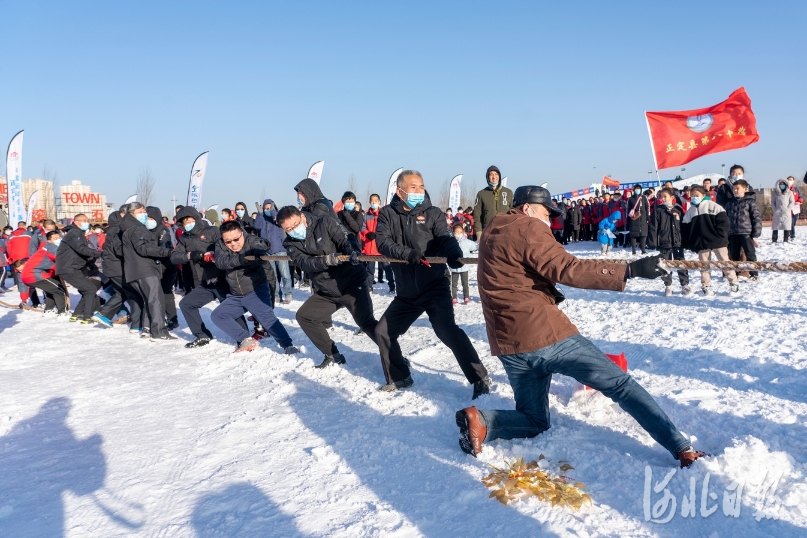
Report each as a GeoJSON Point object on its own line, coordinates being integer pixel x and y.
{"type": "Point", "coordinates": [282, 269]}
{"type": "Point", "coordinates": [258, 303]}
{"type": "Point", "coordinates": [530, 374]}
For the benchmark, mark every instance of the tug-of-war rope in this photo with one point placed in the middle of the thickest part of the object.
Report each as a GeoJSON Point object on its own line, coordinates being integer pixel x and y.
{"type": "Point", "coordinates": [691, 265]}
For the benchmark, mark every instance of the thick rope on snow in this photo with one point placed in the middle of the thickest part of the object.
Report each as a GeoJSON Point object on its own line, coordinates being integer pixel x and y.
{"type": "Point", "coordinates": [691, 265]}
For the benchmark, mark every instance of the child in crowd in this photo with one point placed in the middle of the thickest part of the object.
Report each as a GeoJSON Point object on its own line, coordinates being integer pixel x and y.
{"type": "Point", "coordinates": [705, 230]}
{"type": "Point", "coordinates": [468, 247]}
{"type": "Point", "coordinates": [607, 231]}
{"type": "Point", "coordinates": [665, 233]}
{"type": "Point", "coordinates": [745, 225]}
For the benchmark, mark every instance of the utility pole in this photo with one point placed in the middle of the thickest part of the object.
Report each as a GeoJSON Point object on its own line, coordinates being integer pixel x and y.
{"type": "Point", "coordinates": [174, 205]}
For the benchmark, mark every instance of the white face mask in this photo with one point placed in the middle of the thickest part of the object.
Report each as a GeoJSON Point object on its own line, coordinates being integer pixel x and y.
{"type": "Point", "coordinates": [459, 237]}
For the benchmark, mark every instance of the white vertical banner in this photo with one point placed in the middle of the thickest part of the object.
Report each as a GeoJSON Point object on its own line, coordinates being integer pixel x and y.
{"type": "Point", "coordinates": [392, 186]}
{"type": "Point", "coordinates": [197, 179]}
{"type": "Point", "coordinates": [132, 198]}
{"type": "Point", "coordinates": [504, 181]}
{"type": "Point", "coordinates": [31, 204]}
{"type": "Point", "coordinates": [454, 192]}
{"type": "Point", "coordinates": [315, 172]}
{"type": "Point", "coordinates": [16, 209]}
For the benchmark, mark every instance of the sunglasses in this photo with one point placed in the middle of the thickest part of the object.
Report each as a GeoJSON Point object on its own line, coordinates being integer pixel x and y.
{"type": "Point", "coordinates": [236, 240]}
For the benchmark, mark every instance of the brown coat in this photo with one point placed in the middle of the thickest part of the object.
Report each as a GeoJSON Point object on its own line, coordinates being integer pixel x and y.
{"type": "Point", "coordinates": [519, 263]}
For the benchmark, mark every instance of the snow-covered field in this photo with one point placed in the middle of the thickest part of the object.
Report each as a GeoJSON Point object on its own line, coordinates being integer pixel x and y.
{"type": "Point", "coordinates": [102, 434]}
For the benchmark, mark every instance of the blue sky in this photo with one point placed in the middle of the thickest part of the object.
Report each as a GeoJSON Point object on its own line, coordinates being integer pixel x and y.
{"type": "Point", "coordinates": [549, 92]}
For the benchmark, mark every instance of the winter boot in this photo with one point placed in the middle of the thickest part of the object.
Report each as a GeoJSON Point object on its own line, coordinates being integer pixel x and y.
{"type": "Point", "coordinates": [291, 350]}
{"type": "Point", "coordinates": [199, 342]}
{"type": "Point", "coordinates": [248, 344]}
{"type": "Point", "coordinates": [397, 385]}
{"type": "Point", "coordinates": [336, 358]}
{"type": "Point", "coordinates": [171, 324]}
{"type": "Point", "coordinates": [481, 387]}
{"type": "Point", "coordinates": [472, 432]}
{"type": "Point", "coordinates": [686, 290]}
{"type": "Point", "coordinates": [688, 456]}
{"type": "Point", "coordinates": [668, 291]}
{"type": "Point", "coordinates": [707, 291]}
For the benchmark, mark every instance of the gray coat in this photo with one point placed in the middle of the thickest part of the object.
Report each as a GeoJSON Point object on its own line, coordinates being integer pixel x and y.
{"type": "Point", "coordinates": [782, 204]}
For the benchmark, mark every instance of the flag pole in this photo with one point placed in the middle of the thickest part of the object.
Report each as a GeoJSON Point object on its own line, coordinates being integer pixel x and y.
{"type": "Point", "coordinates": [652, 147]}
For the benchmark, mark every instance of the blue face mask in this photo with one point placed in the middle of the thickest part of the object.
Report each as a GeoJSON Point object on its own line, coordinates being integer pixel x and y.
{"type": "Point", "coordinates": [696, 200]}
{"type": "Point", "coordinates": [84, 226]}
{"type": "Point", "coordinates": [299, 202]}
{"type": "Point", "coordinates": [637, 192]}
{"type": "Point", "coordinates": [350, 206]}
{"type": "Point", "coordinates": [151, 224]}
{"type": "Point", "coordinates": [189, 226]}
{"type": "Point", "coordinates": [267, 212]}
{"type": "Point", "coordinates": [373, 206]}
{"type": "Point", "coordinates": [783, 188]}
{"type": "Point", "coordinates": [142, 218]}
{"type": "Point", "coordinates": [239, 212]}
{"type": "Point", "coordinates": [298, 232]}
{"type": "Point", "coordinates": [414, 198]}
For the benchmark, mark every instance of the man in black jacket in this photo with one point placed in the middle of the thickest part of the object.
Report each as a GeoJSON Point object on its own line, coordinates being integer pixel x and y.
{"type": "Point", "coordinates": [164, 237]}
{"type": "Point", "coordinates": [350, 217]}
{"type": "Point", "coordinates": [238, 254]}
{"type": "Point", "coordinates": [74, 254]}
{"type": "Point", "coordinates": [314, 243]}
{"type": "Point", "coordinates": [141, 267]}
{"type": "Point", "coordinates": [113, 269]}
{"type": "Point", "coordinates": [195, 249]}
{"type": "Point", "coordinates": [410, 229]}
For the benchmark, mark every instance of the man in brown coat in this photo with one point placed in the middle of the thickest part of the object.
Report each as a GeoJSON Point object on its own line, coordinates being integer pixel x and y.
{"type": "Point", "coordinates": [519, 264]}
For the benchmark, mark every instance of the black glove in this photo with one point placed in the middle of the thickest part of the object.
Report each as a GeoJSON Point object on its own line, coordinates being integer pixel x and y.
{"type": "Point", "coordinates": [370, 236]}
{"type": "Point", "coordinates": [454, 261]}
{"type": "Point", "coordinates": [646, 267]}
{"type": "Point", "coordinates": [243, 261]}
{"type": "Point", "coordinates": [354, 257]}
{"type": "Point", "coordinates": [414, 256]}
{"type": "Point", "coordinates": [197, 256]}
{"type": "Point", "coordinates": [331, 259]}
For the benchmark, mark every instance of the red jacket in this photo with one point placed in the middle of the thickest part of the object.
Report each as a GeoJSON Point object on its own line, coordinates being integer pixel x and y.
{"type": "Point", "coordinates": [40, 266]}
{"type": "Point", "coordinates": [585, 215]}
{"type": "Point", "coordinates": [370, 226]}
{"type": "Point", "coordinates": [17, 245]}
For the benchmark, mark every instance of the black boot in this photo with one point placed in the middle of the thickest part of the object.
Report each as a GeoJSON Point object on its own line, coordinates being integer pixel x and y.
{"type": "Point", "coordinates": [481, 387]}
{"type": "Point", "coordinates": [397, 385]}
{"type": "Point", "coordinates": [199, 342]}
{"type": "Point", "coordinates": [336, 358]}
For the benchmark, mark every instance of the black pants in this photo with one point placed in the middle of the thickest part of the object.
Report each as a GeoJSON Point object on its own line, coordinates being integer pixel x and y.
{"type": "Point", "coordinates": [384, 268]}
{"type": "Point", "coordinates": [575, 234]}
{"type": "Point", "coordinates": [167, 285]}
{"type": "Point", "coordinates": [316, 312]}
{"type": "Point", "coordinates": [641, 242]}
{"type": "Point", "coordinates": [88, 288]}
{"type": "Point", "coordinates": [54, 293]}
{"type": "Point", "coordinates": [795, 220]}
{"type": "Point", "coordinates": [22, 288]}
{"type": "Point", "coordinates": [151, 293]}
{"type": "Point", "coordinates": [123, 292]}
{"type": "Point", "coordinates": [674, 254]}
{"type": "Point", "coordinates": [743, 243]}
{"type": "Point", "coordinates": [455, 277]}
{"type": "Point", "coordinates": [775, 235]}
{"type": "Point", "coordinates": [402, 313]}
{"type": "Point", "coordinates": [196, 299]}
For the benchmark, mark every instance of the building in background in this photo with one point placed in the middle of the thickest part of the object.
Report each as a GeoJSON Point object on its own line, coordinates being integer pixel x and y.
{"type": "Point", "coordinates": [45, 206]}
{"type": "Point", "coordinates": [77, 198]}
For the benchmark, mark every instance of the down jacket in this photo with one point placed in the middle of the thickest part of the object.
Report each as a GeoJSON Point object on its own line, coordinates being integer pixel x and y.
{"type": "Point", "coordinates": [705, 227]}
{"type": "Point", "coordinates": [243, 276]}
{"type": "Point", "coordinates": [744, 216]}
{"type": "Point", "coordinates": [782, 204]}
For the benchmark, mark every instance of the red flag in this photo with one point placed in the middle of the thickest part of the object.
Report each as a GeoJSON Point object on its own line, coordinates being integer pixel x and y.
{"type": "Point", "coordinates": [682, 136]}
{"type": "Point", "coordinates": [608, 182]}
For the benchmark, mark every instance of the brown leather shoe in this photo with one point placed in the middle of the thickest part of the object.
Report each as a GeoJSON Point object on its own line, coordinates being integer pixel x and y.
{"type": "Point", "coordinates": [472, 432]}
{"type": "Point", "coordinates": [688, 456]}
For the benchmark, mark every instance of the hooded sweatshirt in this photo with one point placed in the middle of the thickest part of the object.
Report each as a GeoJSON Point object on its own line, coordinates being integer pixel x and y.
{"type": "Point", "coordinates": [315, 201]}
{"type": "Point", "coordinates": [268, 228]}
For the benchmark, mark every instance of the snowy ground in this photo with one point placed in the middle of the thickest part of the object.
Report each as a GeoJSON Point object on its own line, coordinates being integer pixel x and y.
{"type": "Point", "coordinates": [102, 434]}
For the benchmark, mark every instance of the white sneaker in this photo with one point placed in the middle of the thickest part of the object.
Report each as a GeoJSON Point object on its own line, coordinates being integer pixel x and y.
{"type": "Point", "coordinates": [707, 291]}
{"type": "Point", "coordinates": [668, 291]}
{"type": "Point", "coordinates": [686, 290]}
{"type": "Point", "coordinates": [734, 289]}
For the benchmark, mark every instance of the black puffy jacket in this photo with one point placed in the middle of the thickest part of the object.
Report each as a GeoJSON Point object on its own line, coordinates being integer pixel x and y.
{"type": "Point", "coordinates": [315, 201]}
{"type": "Point", "coordinates": [245, 278]}
{"type": "Point", "coordinates": [665, 227]}
{"type": "Point", "coordinates": [201, 239]}
{"type": "Point", "coordinates": [423, 228]}
{"type": "Point", "coordinates": [325, 236]}
{"type": "Point", "coordinates": [744, 216]}
{"type": "Point", "coordinates": [141, 253]}
{"type": "Point", "coordinates": [74, 252]}
{"type": "Point", "coordinates": [163, 236]}
{"type": "Point", "coordinates": [113, 254]}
